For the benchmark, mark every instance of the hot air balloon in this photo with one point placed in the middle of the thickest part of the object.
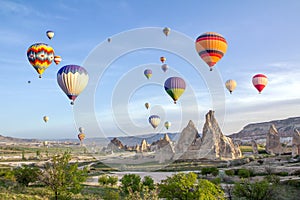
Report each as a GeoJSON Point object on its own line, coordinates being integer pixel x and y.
{"type": "Point", "coordinates": [230, 85]}
{"type": "Point", "coordinates": [108, 39]}
{"type": "Point", "coordinates": [46, 119]}
{"type": "Point", "coordinates": [167, 125]}
{"type": "Point", "coordinates": [50, 34]}
{"type": "Point", "coordinates": [164, 67]}
{"type": "Point", "coordinates": [57, 59]}
{"type": "Point", "coordinates": [163, 59]}
{"type": "Point", "coordinates": [175, 86]}
{"type": "Point", "coordinates": [154, 120]}
{"type": "Point", "coordinates": [28, 81]}
{"type": "Point", "coordinates": [259, 81]}
{"type": "Point", "coordinates": [81, 137]}
{"type": "Point", "coordinates": [81, 130]}
{"type": "Point", "coordinates": [211, 47]}
{"type": "Point", "coordinates": [40, 56]}
{"type": "Point", "coordinates": [166, 31]}
{"type": "Point", "coordinates": [72, 79]}
{"type": "Point", "coordinates": [148, 73]}
{"type": "Point", "coordinates": [147, 105]}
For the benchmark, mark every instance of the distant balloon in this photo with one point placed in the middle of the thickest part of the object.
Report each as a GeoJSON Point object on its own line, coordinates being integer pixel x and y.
{"type": "Point", "coordinates": [81, 130]}
{"type": "Point", "coordinates": [148, 73]}
{"type": "Point", "coordinates": [46, 119]}
{"type": "Point", "coordinates": [154, 120]}
{"type": "Point", "coordinates": [28, 81]}
{"type": "Point", "coordinates": [166, 31]}
{"type": "Point", "coordinates": [165, 67]}
{"type": "Point", "coordinates": [163, 59]}
{"type": "Point", "coordinates": [72, 79]}
{"type": "Point", "coordinates": [259, 81]}
{"type": "Point", "coordinates": [175, 86]}
{"type": "Point", "coordinates": [108, 39]}
{"type": "Point", "coordinates": [211, 47]}
{"type": "Point", "coordinates": [167, 125]}
{"type": "Point", "coordinates": [40, 56]}
{"type": "Point", "coordinates": [57, 59]}
{"type": "Point", "coordinates": [50, 34]}
{"type": "Point", "coordinates": [81, 136]}
{"type": "Point", "coordinates": [230, 85]}
{"type": "Point", "coordinates": [147, 105]}
{"type": "Point", "coordinates": [45, 143]}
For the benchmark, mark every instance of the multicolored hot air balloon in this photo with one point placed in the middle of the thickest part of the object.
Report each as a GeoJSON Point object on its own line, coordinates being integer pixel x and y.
{"type": "Point", "coordinates": [154, 120]}
{"type": "Point", "coordinates": [81, 137]}
{"type": "Point", "coordinates": [259, 81]}
{"type": "Point", "coordinates": [163, 59]}
{"type": "Point", "coordinates": [211, 47]}
{"type": "Point", "coordinates": [167, 125]}
{"type": "Point", "coordinates": [46, 119]}
{"type": "Point", "coordinates": [148, 73]}
{"type": "Point", "coordinates": [40, 56]}
{"type": "Point", "coordinates": [57, 59]}
{"type": "Point", "coordinates": [175, 86]}
{"type": "Point", "coordinates": [166, 31]}
{"type": "Point", "coordinates": [72, 79]}
{"type": "Point", "coordinates": [165, 67]}
{"type": "Point", "coordinates": [50, 34]}
{"type": "Point", "coordinates": [230, 85]}
{"type": "Point", "coordinates": [147, 105]}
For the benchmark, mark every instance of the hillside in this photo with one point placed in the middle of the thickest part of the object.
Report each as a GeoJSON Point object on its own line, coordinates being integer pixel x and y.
{"type": "Point", "coordinates": [258, 131]}
{"type": "Point", "coordinates": [5, 139]}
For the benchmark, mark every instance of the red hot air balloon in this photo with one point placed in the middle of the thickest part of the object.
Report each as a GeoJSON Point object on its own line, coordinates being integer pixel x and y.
{"type": "Point", "coordinates": [260, 81]}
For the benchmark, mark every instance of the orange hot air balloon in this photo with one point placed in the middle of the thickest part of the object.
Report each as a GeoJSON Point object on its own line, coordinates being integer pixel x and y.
{"type": "Point", "coordinates": [259, 81]}
{"type": "Point", "coordinates": [163, 59]}
{"type": "Point", "coordinates": [57, 59]}
{"type": "Point", "coordinates": [211, 47]}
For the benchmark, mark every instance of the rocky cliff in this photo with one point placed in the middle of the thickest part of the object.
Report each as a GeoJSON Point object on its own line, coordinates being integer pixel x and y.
{"type": "Point", "coordinates": [273, 145]}
{"type": "Point", "coordinates": [257, 131]}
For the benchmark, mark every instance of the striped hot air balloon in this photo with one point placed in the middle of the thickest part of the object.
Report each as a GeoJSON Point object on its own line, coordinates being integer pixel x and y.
{"type": "Point", "coordinates": [175, 86]}
{"type": "Point", "coordinates": [72, 79]}
{"type": "Point", "coordinates": [154, 120]}
{"type": "Point", "coordinates": [57, 59]}
{"type": "Point", "coordinates": [259, 81]}
{"type": "Point", "coordinates": [40, 56]}
{"type": "Point", "coordinates": [230, 85]}
{"type": "Point", "coordinates": [211, 47]}
{"type": "Point", "coordinates": [148, 73]}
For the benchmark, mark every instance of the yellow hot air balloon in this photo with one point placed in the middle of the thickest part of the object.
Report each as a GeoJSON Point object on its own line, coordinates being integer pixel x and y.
{"type": "Point", "coordinates": [167, 125]}
{"type": "Point", "coordinates": [46, 119]}
{"type": "Point", "coordinates": [211, 47]}
{"type": "Point", "coordinates": [166, 31]}
{"type": "Point", "coordinates": [230, 85]}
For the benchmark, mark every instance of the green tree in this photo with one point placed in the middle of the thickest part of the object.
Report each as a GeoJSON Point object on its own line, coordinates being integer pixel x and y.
{"type": "Point", "coordinates": [112, 180]}
{"type": "Point", "coordinates": [260, 190]}
{"type": "Point", "coordinates": [210, 170]}
{"type": "Point", "coordinates": [206, 190]}
{"type": "Point", "coordinates": [62, 177]}
{"type": "Point", "coordinates": [103, 179]}
{"type": "Point", "coordinates": [26, 174]}
{"type": "Point", "coordinates": [131, 182]}
{"type": "Point", "coordinates": [148, 182]}
{"type": "Point", "coordinates": [244, 173]}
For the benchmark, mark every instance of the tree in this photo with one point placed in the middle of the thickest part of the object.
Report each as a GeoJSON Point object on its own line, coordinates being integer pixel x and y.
{"type": "Point", "coordinates": [112, 180]}
{"type": "Point", "coordinates": [260, 190]}
{"type": "Point", "coordinates": [103, 180]}
{"type": "Point", "coordinates": [131, 182]}
{"type": "Point", "coordinates": [148, 182]}
{"type": "Point", "coordinates": [62, 177]}
{"type": "Point", "coordinates": [26, 174]}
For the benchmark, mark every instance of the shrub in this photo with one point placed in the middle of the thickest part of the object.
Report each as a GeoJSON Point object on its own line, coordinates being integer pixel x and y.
{"type": "Point", "coordinates": [110, 194]}
{"type": "Point", "coordinates": [112, 180]}
{"type": "Point", "coordinates": [130, 182]}
{"type": "Point", "coordinates": [229, 172]}
{"type": "Point", "coordinates": [103, 179]}
{"type": "Point", "coordinates": [26, 174]}
{"type": "Point", "coordinates": [148, 182]}
{"type": "Point", "coordinates": [244, 173]}
{"type": "Point", "coordinates": [210, 170]}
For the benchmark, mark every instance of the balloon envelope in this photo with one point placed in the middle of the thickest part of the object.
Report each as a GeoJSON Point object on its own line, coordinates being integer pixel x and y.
{"type": "Point", "coordinates": [211, 47]}
{"type": "Point", "coordinates": [230, 85]}
{"type": "Point", "coordinates": [167, 124]}
{"type": "Point", "coordinates": [50, 34]}
{"type": "Point", "coordinates": [164, 67]}
{"type": "Point", "coordinates": [148, 73]}
{"type": "Point", "coordinates": [147, 105]}
{"type": "Point", "coordinates": [166, 31]}
{"type": "Point", "coordinates": [81, 130]}
{"type": "Point", "coordinates": [175, 87]}
{"type": "Point", "coordinates": [259, 81]}
{"type": "Point", "coordinates": [46, 118]}
{"type": "Point", "coordinates": [40, 56]}
{"type": "Point", "coordinates": [57, 59]}
{"type": "Point", "coordinates": [163, 59]}
{"type": "Point", "coordinates": [72, 79]}
{"type": "Point", "coordinates": [154, 120]}
{"type": "Point", "coordinates": [81, 136]}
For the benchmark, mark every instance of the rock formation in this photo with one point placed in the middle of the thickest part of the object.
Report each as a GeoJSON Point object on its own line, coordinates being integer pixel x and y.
{"type": "Point", "coordinates": [296, 143]}
{"type": "Point", "coordinates": [160, 143]}
{"type": "Point", "coordinates": [212, 145]}
{"type": "Point", "coordinates": [254, 147]}
{"type": "Point", "coordinates": [165, 153]}
{"type": "Point", "coordinates": [273, 145]}
{"type": "Point", "coordinates": [144, 146]}
{"type": "Point", "coordinates": [115, 145]}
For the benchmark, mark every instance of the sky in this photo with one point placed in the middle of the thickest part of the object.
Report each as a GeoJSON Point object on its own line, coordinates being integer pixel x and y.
{"type": "Point", "coordinates": [261, 37]}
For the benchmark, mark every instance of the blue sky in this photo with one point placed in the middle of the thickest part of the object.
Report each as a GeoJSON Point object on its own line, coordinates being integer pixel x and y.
{"type": "Point", "coordinates": [261, 36]}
